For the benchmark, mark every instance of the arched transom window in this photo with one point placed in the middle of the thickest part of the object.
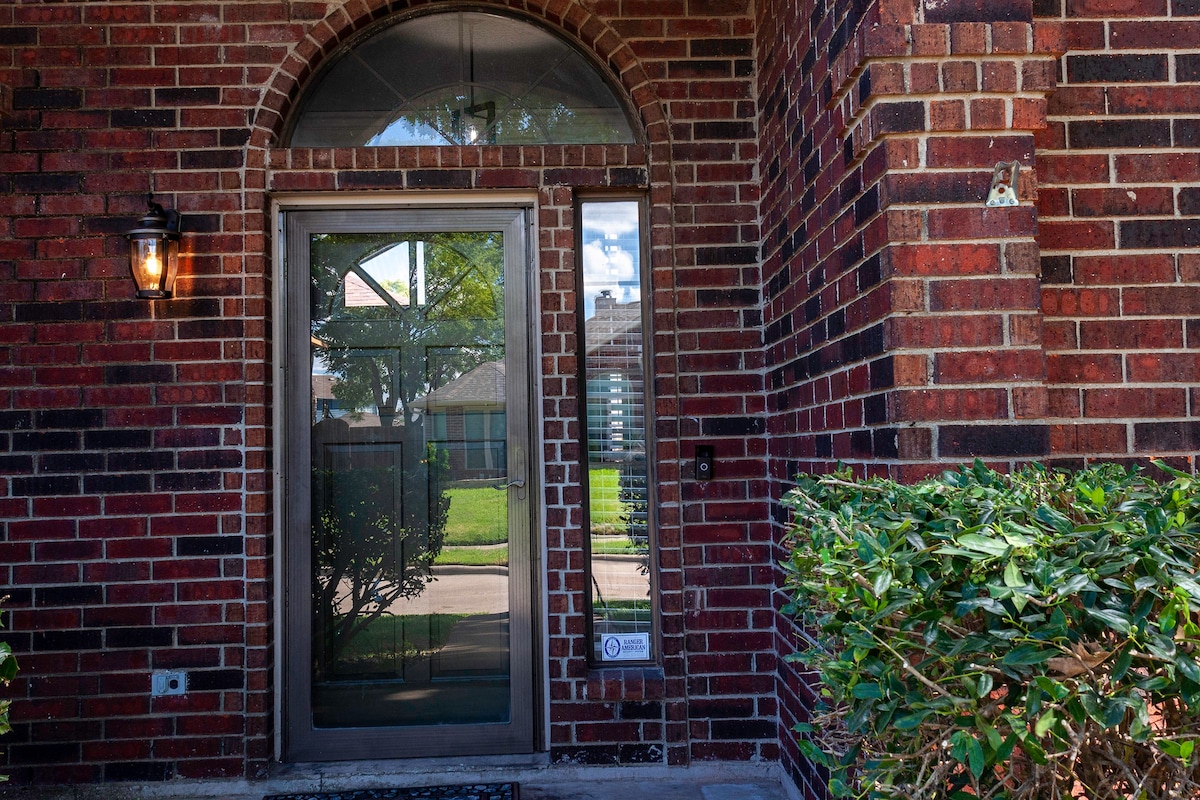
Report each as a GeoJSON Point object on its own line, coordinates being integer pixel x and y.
{"type": "Point", "coordinates": [460, 78]}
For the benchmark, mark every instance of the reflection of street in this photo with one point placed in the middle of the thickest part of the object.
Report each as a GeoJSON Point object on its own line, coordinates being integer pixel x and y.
{"type": "Point", "coordinates": [459, 590]}
{"type": "Point", "coordinates": [480, 590]}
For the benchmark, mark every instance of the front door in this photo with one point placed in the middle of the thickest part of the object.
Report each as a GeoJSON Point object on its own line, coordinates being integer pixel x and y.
{"type": "Point", "coordinates": [407, 521]}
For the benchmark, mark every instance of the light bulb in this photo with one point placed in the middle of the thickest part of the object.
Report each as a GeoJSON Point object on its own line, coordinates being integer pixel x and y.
{"type": "Point", "coordinates": [153, 266]}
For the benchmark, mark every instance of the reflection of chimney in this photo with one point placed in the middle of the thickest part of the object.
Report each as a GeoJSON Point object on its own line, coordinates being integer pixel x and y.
{"type": "Point", "coordinates": [605, 299]}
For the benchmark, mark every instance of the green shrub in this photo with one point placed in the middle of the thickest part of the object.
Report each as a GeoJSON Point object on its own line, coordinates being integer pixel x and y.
{"type": "Point", "coordinates": [8, 671]}
{"type": "Point", "coordinates": [1021, 636]}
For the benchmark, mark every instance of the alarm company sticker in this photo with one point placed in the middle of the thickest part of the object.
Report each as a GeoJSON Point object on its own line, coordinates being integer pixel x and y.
{"type": "Point", "coordinates": [625, 646]}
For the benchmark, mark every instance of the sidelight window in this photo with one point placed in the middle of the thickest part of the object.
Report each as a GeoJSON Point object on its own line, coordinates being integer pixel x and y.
{"type": "Point", "coordinates": [618, 509]}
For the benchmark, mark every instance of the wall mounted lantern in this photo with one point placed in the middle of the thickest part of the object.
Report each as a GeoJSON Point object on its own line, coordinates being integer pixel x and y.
{"type": "Point", "coordinates": [154, 251]}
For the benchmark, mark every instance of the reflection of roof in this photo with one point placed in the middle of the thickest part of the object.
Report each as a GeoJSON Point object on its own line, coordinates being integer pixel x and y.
{"type": "Point", "coordinates": [365, 420]}
{"type": "Point", "coordinates": [359, 293]}
{"type": "Point", "coordinates": [482, 386]}
{"type": "Point", "coordinates": [614, 324]}
{"type": "Point", "coordinates": [322, 389]}
{"type": "Point", "coordinates": [322, 386]}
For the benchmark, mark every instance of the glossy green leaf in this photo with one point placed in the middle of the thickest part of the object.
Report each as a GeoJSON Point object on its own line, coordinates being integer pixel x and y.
{"type": "Point", "coordinates": [1117, 620]}
{"type": "Point", "coordinates": [1121, 664]}
{"type": "Point", "coordinates": [1188, 667]}
{"type": "Point", "coordinates": [866, 691]}
{"type": "Point", "coordinates": [975, 759]}
{"type": "Point", "coordinates": [1012, 574]}
{"type": "Point", "coordinates": [983, 544]}
{"type": "Point", "coordinates": [1027, 654]}
{"type": "Point", "coordinates": [1045, 723]}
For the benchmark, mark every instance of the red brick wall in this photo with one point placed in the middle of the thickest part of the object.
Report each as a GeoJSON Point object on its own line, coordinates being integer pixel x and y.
{"type": "Point", "coordinates": [135, 446]}
{"type": "Point", "coordinates": [902, 321]}
{"type": "Point", "coordinates": [1119, 224]}
{"type": "Point", "coordinates": [709, 335]}
{"type": "Point", "coordinates": [136, 437]}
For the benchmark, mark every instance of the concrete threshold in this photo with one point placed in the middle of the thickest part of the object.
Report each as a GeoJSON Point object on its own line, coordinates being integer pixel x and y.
{"type": "Point", "coordinates": [538, 781]}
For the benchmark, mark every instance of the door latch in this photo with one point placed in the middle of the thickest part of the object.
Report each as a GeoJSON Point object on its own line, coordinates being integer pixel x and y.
{"type": "Point", "coordinates": [516, 467]}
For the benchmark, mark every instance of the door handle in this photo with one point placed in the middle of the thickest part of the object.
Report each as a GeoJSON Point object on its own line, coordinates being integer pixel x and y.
{"type": "Point", "coordinates": [517, 467]}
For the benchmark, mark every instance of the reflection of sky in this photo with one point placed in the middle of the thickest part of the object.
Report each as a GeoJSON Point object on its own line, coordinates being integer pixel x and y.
{"type": "Point", "coordinates": [390, 269]}
{"type": "Point", "coordinates": [404, 131]}
{"type": "Point", "coordinates": [611, 253]}
{"type": "Point", "coordinates": [390, 265]}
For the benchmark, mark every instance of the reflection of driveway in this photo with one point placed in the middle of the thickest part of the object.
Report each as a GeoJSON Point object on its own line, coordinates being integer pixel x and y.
{"type": "Point", "coordinates": [460, 590]}
{"type": "Point", "coordinates": [484, 590]}
{"type": "Point", "coordinates": [621, 577]}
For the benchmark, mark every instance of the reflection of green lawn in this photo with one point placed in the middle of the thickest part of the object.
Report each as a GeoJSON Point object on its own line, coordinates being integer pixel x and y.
{"type": "Point", "coordinates": [478, 515]}
{"type": "Point", "coordinates": [604, 501]}
{"type": "Point", "coordinates": [624, 610]}
{"type": "Point", "coordinates": [474, 556]}
{"type": "Point", "coordinates": [613, 545]}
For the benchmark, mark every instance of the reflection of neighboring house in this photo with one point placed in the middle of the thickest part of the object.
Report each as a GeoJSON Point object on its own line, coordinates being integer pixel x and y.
{"type": "Point", "coordinates": [358, 294]}
{"type": "Point", "coordinates": [615, 378]}
{"type": "Point", "coordinates": [325, 405]}
{"type": "Point", "coordinates": [466, 418]}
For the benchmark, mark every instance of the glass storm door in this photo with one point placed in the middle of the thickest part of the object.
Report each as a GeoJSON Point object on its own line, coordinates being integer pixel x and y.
{"type": "Point", "coordinates": [407, 528]}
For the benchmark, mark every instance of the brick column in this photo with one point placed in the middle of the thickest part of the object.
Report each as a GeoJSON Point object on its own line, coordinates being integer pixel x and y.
{"type": "Point", "coordinates": [932, 106]}
{"type": "Point", "coordinates": [904, 319]}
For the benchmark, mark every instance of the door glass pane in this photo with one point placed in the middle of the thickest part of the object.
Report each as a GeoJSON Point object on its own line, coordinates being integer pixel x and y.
{"type": "Point", "coordinates": [618, 486]}
{"type": "Point", "coordinates": [409, 533]}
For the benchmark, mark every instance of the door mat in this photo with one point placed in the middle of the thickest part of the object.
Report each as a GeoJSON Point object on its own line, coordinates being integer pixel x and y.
{"type": "Point", "coordinates": [474, 791]}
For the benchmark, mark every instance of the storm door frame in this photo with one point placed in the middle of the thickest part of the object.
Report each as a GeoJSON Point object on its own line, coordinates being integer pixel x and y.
{"type": "Point", "coordinates": [528, 731]}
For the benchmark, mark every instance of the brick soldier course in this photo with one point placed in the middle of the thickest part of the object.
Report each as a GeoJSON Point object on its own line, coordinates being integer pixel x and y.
{"type": "Point", "coordinates": [827, 285]}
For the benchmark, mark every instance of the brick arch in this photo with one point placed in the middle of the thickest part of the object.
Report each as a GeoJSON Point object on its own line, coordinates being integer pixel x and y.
{"type": "Point", "coordinates": [570, 19]}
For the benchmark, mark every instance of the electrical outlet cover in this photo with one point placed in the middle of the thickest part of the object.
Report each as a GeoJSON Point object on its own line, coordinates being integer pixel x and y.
{"type": "Point", "coordinates": [168, 684]}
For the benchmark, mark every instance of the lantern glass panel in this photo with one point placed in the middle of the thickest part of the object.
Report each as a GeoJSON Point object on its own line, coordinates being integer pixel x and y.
{"type": "Point", "coordinates": [148, 257]}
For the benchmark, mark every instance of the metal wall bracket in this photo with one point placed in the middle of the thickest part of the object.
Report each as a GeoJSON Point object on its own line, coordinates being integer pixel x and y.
{"type": "Point", "coordinates": [1004, 184]}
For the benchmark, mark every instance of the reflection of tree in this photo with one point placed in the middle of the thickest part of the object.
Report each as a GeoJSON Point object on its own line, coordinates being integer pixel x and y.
{"type": "Point", "coordinates": [381, 354]}
{"type": "Point", "coordinates": [635, 503]}
{"type": "Point", "coordinates": [379, 505]}
{"type": "Point", "coordinates": [453, 117]}
{"type": "Point", "coordinates": [370, 546]}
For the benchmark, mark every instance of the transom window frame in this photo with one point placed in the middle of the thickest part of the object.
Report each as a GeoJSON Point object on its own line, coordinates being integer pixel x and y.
{"type": "Point", "coordinates": [482, 112]}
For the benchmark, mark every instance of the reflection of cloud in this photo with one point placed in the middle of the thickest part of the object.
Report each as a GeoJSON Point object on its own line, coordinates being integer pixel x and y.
{"type": "Point", "coordinates": [613, 270]}
{"type": "Point", "coordinates": [610, 220]}
{"type": "Point", "coordinates": [389, 265]}
{"type": "Point", "coordinates": [610, 252]}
